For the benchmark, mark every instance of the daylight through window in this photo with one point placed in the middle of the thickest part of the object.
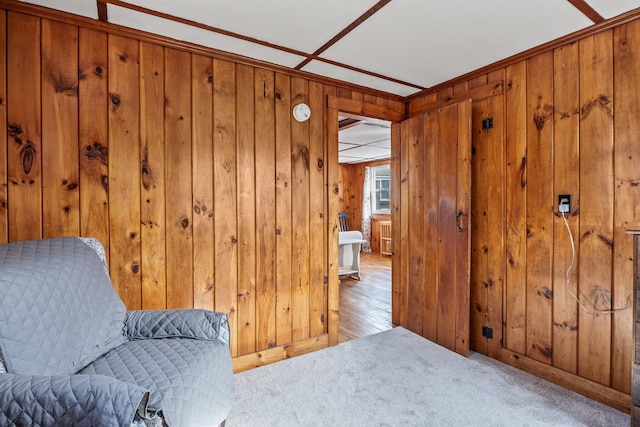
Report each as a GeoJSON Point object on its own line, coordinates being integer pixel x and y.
{"type": "Point", "coordinates": [381, 190]}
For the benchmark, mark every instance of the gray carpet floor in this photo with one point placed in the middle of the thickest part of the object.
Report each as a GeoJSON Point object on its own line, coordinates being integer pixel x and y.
{"type": "Point", "coordinates": [397, 378]}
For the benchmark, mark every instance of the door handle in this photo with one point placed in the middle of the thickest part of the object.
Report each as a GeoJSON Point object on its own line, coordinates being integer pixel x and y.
{"type": "Point", "coordinates": [458, 215]}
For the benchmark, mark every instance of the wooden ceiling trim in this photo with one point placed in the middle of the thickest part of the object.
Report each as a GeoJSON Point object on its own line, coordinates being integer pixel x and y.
{"type": "Point", "coordinates": [368, 14]}
{"type": "Point", "coordinates": [102, 11]}
{"type": "Point", "coordinates": [481, 92]}
{"type": "Point", "coordinates": [587, 10]}
{"type": "Point", "coordinates": [365, 109]}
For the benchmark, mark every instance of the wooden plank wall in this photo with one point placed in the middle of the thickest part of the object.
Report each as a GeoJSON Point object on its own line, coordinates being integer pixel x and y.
{"type": "Point", "coordinates": [568, 123]}
{"type": "Point", "coordinates": [188, 168]}
{"type": "Point", "coordinates": [351, 186]}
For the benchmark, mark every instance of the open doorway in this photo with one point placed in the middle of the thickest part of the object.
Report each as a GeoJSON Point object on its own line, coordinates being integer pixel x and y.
{"type": "Point", "coordinates": [365, 197]}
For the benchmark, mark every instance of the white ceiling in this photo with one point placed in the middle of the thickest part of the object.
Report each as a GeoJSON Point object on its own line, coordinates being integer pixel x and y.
{"type": "Point", "coordinates": [400, 47]}
{"type": "Point", "coordinates": [403, 47]}
{"type": "Point", "coordinates": [363, 139]}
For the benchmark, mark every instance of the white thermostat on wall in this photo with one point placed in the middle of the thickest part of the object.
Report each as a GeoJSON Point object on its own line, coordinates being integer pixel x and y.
{"type": "Point", "coordinates": [301, 112]}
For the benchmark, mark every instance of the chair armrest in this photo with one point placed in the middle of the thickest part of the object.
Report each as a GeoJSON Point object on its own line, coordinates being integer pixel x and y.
{"type": "Point", "coordinates": [69, 400]}
{"type": "Point", "coordinates": [192, 323]}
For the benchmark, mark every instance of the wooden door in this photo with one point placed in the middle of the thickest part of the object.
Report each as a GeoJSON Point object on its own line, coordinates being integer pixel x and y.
{"type": "Point", "coordinates": [431, 218]}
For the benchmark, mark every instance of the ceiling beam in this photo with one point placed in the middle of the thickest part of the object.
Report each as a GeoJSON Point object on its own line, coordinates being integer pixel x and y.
{"type": "Point", "coordinates": [587, 10]}
{"type": "Point", "coordinates": [368, 14]}
{"type": "Point", "coordinates": [102, 11]}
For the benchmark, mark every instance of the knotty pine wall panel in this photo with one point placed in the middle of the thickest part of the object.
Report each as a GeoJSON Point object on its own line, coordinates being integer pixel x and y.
{"type": "Point", "coordinates": [570, 119]}
{"type": "Point", "coordinates": [188, 168]}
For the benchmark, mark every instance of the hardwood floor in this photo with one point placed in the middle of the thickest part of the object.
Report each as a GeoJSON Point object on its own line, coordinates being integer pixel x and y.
{"type": "Point", "coordinates": [365, 304]}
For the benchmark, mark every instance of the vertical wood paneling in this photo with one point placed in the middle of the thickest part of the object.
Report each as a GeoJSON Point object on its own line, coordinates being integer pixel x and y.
{"type": "Point", "coordinates": [416, 142]}
{"type": "Point", "coordinates": [566, 154]}
{"type": "Point", "coordinates": [596, 207]}
{"type": "Point", "coordinates": [539, 206]}
{"type": "Point", "coordinates": [333, 185]}
{"type": "Point", "coordinates": [447, 201]}
{"type": "Point", "coordinates": [265, 208]}
{"type": "Point", "coordinates": [516, 171]}
{"type": "Point", "coordinates": [463, 227]}
{"type": "Point", "coordinates": [396, 225]}
{"type": "Point", "coordinates": [430, 162]}
{"type": "Point", "coordinates": [245, 125]}
{"type": "Point", "coordinates": [416, 207]}
{"type": "Point", "coordinates": [24, 154]}
{"type": "Point", "coordinates": [317, 244]}
{"type": "Point", "coordinates": [403, 240]}
{"type": "Point", "coordinates": [178, 185]}
{"type": "Point", "coordinates": [496, 214]}
{"type": "Point", "coordinates": [300, 171]}
{"type": "Point", "coordinates": [283, 208]}
{"type": "Point", "coordinates": [60, 171]}
{"type": "Point", "coordinates": [152, 191]}
{"type": "Point", "coordinates": [479, 228]}
{"type": "Point", "coordinates": [124, 167]}
{"type": "Point", "coordinates": [626, 196]}
{"type": "Point", "coordinates": [93, 135]}
{"type": "Point", "coordinates": [4, 225]}
{"type": "Point", "coordinates": [225, 202]}
{"type": "Point", "coordinates": [202, 178]}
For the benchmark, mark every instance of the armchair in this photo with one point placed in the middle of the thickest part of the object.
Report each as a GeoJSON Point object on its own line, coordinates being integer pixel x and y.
{"type": "Point", "coordinates": [73, 355]}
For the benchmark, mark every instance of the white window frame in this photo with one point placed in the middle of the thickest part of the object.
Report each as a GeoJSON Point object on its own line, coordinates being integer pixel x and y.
{"type": "Point", "coordinates": [374, 177]}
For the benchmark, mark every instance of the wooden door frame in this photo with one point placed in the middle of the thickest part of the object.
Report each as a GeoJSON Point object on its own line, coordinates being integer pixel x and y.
{"type": "Point", "coordinates": [335, 105]}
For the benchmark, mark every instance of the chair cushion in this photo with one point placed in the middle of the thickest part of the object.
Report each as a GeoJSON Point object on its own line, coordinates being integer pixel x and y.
{"type": "Point", "coordinates": [58, 310]}
{"type": "Point", "coordinates": [191, 380]}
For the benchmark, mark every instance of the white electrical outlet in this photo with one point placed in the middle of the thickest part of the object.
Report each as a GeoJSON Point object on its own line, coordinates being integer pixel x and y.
{"type": "Point", "coordinates": [564, 203]}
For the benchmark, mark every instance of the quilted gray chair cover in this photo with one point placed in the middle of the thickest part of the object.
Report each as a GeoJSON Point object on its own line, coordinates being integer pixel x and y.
{"type": "Point", "coordinates": [75, 356]}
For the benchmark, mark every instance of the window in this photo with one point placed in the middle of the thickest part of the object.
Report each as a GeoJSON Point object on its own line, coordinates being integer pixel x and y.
{"type": "Point", "coordinates": [381, 190]}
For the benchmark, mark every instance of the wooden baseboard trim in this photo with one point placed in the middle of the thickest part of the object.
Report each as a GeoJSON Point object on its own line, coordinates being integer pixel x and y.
{"type": "Point", "coordinates": [276, 354]}
{"type": "Point", "coordinates": [592, 390]}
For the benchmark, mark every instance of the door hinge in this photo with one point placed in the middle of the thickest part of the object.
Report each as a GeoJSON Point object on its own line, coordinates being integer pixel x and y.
{"type": "Point", "coordinates": [487, 332]}
{"type": "Point", "coordinates": [487, 123]}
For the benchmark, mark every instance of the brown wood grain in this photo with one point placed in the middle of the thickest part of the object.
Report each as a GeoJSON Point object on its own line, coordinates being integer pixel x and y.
{"type": "Point", "coordinates": [178, 185]}
{"type": "Point", "coordinates": [246, 166]}
{"type": "Point", "coordinates": [566, 154]}
{"type": "Point", "coordinates": [626, 196]}
{"type": "Point", "coordinates": [516, 184]}
{"type": "Point", "coordinates": [479, 228]}
{"type": "Point", "coordinates": [202, 179]}
{"type": "Point", "coordinates": [4, 219]}
{"type": "Point", "coordinates": [24, 156]}
{"type": "Point", "coordinates": [396, 224]}
{"type": "Point", "coordinates": [264, 94]}
{"type": "Point", "coordinates": [152, 190]}
{"type": "Point", "coordinates": [283, 107]}
{"type": "Point", "coordinates": [463, 227]}
{"type": "Point", "coordinates": [124, 169]}
{"type": "Point", "coordinates": [416, 207]}
{"type": "Point", "coordinates": [318, 232]}
{"type": "Point", "coordinates": [300, 171]}
{"type": "Point", "coordinates": [496, 242]}
{"type": "Point", "coordinates": [60, 172]}
{"type": "Point", "coordinates": [447, 207]}
{"type": "Point", "coordinates": [333, 203]}
{"type": "Point", "coordinates": [225, 196]}
{"type": "Point", "coordinates": [429, 248]}
{"type": "Point", "coordinates": [539, 207]}
{"type": "Point", "coordinates": [93, 135]}
{"type": "Point", "coordinates": [596, 208]}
